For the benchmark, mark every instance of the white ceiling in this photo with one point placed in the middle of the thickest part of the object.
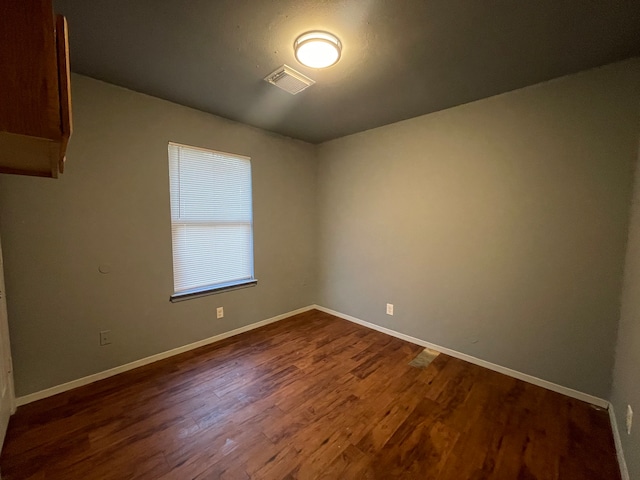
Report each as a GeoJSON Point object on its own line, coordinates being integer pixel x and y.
{"type": "Point", "coordinates": [401, 58]}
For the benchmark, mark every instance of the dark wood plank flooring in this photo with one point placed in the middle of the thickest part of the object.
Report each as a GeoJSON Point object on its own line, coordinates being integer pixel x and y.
{"type": "Point", "coordinates": [309, 397]}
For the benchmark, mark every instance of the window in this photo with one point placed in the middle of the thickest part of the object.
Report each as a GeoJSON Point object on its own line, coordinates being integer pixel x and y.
{"type": "Point", "coordinates": [211, 221]}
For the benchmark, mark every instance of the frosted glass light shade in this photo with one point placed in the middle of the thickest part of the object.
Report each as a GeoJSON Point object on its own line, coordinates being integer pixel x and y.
{"type": "Point", "coordinates": [317, 49]}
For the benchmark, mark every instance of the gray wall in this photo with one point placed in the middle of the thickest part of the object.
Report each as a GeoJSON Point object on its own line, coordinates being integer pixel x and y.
{"type": "Point", "coordinates": [626, 374]}
{"type": "Point", "coordinates": [497, 228]}
{"type": "Point", "coordinates": [112, 207]}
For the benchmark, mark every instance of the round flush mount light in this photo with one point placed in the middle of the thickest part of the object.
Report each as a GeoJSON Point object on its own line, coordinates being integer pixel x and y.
{"type": "Point", "coordinates": [317, 49]}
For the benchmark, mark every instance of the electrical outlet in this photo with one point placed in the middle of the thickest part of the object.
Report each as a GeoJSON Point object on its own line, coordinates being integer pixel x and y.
{"type": "Point", "coordinates": [629, 419]}
{"type": "Point", "coordinates": [105, 337]}
{"type": "Point", "coordinates": [219, 312]}
{"type": "Point", "coordinates": [389, 308]}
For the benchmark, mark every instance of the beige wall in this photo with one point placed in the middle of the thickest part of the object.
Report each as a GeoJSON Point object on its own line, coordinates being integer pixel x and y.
{"type": "Point", "coordinates": [112, 207]}
{"type": "Point", "coordinates": [626, 374]}
{"type": "Point", "coordinates": [496, 228]}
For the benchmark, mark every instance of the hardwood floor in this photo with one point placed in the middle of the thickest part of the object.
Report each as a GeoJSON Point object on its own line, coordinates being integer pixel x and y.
{"type": "Point", "coordinates": [309, 397]}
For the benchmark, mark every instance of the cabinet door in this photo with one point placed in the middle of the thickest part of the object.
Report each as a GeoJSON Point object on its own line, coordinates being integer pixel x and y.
{"type": "Point", "coordinates": [29, 70]}
{"type": "Point", "coordinates": [35, 100]}
{"type": "Point", "coordinates": [6, 375]}
{"type": "Point", "coordinates": [62, 44]}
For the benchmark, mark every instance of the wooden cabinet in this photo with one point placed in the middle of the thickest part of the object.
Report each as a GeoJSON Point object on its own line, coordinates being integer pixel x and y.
{"type": "Point", "coordinates": [35, 99]}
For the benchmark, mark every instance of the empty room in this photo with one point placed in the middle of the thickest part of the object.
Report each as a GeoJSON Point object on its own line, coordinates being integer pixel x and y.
{"type": "Point", "coordinates": [332, 239]}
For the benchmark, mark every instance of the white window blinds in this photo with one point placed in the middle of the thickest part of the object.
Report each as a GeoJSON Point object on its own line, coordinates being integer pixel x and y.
{"type": "Point", "coordinates": [211, 219]}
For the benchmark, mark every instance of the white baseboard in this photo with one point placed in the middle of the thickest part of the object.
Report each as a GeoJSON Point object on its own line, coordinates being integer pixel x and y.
{"type": "Point", "coordinates": [616, 438]}
{"type": "Point", "coordinates": [32, 397]}
{"type": "Point", "coordinates": [176, 351]}
{"type": "Point", "coordinates": [476, 361]}
{"type": "Point", "coordinates": [463, 356]}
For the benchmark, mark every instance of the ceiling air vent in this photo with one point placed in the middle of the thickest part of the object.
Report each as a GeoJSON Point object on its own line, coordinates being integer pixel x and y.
{"type": "Point", "coordinates": [289, 80]}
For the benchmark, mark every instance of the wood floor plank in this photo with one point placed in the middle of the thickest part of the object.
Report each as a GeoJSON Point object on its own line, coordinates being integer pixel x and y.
{"type": "Point", "coordinates": [312, 396]}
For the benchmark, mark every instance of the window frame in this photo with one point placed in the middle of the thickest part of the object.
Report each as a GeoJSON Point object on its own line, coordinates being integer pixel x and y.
{"type": "Point", "coordinates": [222, 286]}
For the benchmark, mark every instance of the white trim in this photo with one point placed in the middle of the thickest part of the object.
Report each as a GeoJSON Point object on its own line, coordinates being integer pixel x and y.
{"type": "Point", "coordinates": [176, 351]}
{"type": "Point", "coordinates": [32, 397]}
{"type": "Point", "coordinates": [618, 441]}
{"type": "Point", "coordinates": [476, 361]}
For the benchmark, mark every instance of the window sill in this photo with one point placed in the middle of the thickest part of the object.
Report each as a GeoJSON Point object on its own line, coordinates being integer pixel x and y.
{"type": "Point", "coordinates": [204, 291]}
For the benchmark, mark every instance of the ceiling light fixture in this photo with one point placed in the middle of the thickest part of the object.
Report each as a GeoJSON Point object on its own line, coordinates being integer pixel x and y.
{"type": "Point", "coordinates": [317, 49]}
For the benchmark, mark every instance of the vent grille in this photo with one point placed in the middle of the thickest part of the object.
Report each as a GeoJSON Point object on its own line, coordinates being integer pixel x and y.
{"type": "Point", "coordinates": [289, 80]}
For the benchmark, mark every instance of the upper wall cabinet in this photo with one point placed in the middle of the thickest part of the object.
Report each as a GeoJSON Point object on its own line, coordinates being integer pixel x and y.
{"type": "Point", "coordinates": [35, 100]}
